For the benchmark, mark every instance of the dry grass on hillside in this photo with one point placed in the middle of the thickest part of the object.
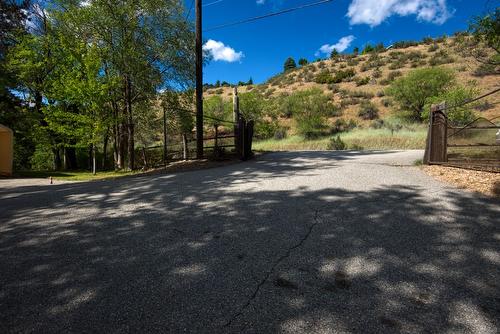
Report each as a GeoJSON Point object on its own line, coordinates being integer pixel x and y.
{"type": "Point", "coordinates": [390, 62]}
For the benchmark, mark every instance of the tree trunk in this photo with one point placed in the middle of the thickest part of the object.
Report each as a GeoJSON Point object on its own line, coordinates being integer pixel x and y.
{"type": "Point", "coordinates": [57, 158]}
{"type": "Point", "coordinates": [164, 136]}
{"type": "Point", "coordinates": [185, 154]}
{"type": "Point", "coordinates": [105, 149]}
{"type": "Point", "coordinates": [130, 123]}
{"type": "Point", "coordinates": [94, 162]}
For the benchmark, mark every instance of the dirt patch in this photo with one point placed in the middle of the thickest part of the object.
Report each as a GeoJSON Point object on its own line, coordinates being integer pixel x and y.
{"type": "Point", "coordinates": [487, 183]}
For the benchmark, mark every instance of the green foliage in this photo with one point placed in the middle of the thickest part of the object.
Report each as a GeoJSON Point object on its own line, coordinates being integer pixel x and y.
{"type": "Point", "coordinates": [289, 64]}
{"type": "Point", "coordinates": [355, 51]}
{"type": "Point", "coordinates": [324, 77]}
{"type": "Point", "coordinates": [367, 49]}
{"type": "Point", "coordinates": [334, 54]}
{"type": "Point", "coordinates": [360, 81]}
{"type": "Point", "coordinates": [455, 96]}
{"type": "Point", "coordinates": [303, 62]}
{"type": "Point", "coordinates": [486, 29]}
{"type": "Point", "coordinates": [341, 125]}
{"type": "Point", "coordinates": [336, 144]}
{"type": "Point", "coordinates": [42, 158]}
{"type": "Point", "coordinates": [368, 111]}
{"type": "Point", "coordinates": [309, 109]}
{"type": "Point", "coordinates": [441, 57]}
{"type": "Point", "coordinates": [413, 90]}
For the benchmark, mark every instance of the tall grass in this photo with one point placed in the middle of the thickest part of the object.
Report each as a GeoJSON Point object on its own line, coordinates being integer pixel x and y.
{"type": "Point", "coordinates": [359, 139]}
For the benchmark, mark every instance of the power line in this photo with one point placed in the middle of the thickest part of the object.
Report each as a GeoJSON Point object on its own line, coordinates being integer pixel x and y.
{"type": "Point", "coordinates": [190, 10]}
{"type": "Point", "coordinates": [212, 3]}
{"type": "Point", "coordinates": [225, 25]}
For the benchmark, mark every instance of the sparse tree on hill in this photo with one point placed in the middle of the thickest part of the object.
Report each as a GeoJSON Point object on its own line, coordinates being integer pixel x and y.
{"type": "Point", "coordinates": [334, 54]}
{"type": "Point", "coordinates": [303, 62]}
{"type": "Point", "coordinates": [289, 64]}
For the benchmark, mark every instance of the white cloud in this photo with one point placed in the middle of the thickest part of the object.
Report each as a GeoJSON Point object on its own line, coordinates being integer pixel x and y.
{"type": "Point", "coordinates": [374, 12]}
{"type": "Point", "coordinates": [219, 51]}
{"type": "Point", "coordinates": [340, 46]}
{"type": "Point", "coordinates": [261, 2]}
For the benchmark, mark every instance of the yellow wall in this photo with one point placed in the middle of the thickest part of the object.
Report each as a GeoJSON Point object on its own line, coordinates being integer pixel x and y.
{"type": "Point", "coordinates": [6, 150]}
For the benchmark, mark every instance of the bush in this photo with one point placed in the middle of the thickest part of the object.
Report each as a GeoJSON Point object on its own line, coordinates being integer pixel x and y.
{"type": "Point", "coordinates": [324, 77]}
{"type": "Point", "coordinates": [362, 81]}
{"type": "Point", "coordinates": [368, 111]}
{"type": "Point", "coordinates": [441, 57]}
{"type": "Point", "coordinates": [343, 75]}
{"type": "Point", "coordinates": [485, 69]}
{"type": "Point", "coordinates": [377, 73]}
{"type": "Point", "coordinates": [336, 144]}
{"type": "Point", "coordinates": [433, 48]}
{"type": "Point", "coordinates": [341, 125]}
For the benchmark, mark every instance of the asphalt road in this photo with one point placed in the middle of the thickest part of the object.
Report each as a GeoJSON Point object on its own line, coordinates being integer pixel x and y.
{"type": "Point", "coordinates": [303, 242]}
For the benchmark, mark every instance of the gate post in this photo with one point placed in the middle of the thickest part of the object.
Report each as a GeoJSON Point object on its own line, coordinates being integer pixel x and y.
{"type": "Point", "coordinates": [437, 136]}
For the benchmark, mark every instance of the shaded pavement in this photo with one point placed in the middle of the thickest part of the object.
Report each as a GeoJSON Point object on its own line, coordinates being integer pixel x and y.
{"type": "Point", "coordinates": [294, 242]}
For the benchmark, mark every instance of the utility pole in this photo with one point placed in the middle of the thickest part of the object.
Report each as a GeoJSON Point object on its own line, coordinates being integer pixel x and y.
{"type": "Point", "coordinates": [199, 83]}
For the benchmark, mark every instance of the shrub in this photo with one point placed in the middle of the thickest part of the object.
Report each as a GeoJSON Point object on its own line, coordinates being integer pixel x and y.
{"type": "Point", "coordinates": [428, 40]}
{"type": "Point", "coordinates": [341, 125]}
{"type": "Point", "coordinates": [289, 64]}
{"type": "Point", "coordinates": [362, 81]}
{"type": "Point", "coordinates": [368, 111]}
{"type": "Point", "coordinates": [377, 124]}
{"type": "Point", "coordinates": [303, 62]}
{"type": "Point", "coordinates": [343, 75]}
{"type": "Point", "coordinates": [377, 73]}
{"type": "Point", "coordinates": [404, 44]}
{"type": "Point", "coordinates": [336, 144]}
{"type": "Point", "coordinates": [441, 57]}
{"type": "Point", "coordinates": [433, 48]}
{"type": "Point", "coordinates": [324, 77]}
{"type": "Point", "coordinates": [380, 93]}
{"type": "Point", "coordinates": [387, 102]}
{"type": "Point", "coordinates": [485, 69]}
{"type": "Point", "coordinates": [393, 75]}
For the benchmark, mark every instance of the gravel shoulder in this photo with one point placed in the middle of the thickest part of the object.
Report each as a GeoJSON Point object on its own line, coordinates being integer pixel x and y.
{"type": "Point", "coordinates": [292, 242]}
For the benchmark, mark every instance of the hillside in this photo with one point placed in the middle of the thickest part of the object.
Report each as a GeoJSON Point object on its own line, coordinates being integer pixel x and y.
{"type": "Point", "coordinates": [373, 73]}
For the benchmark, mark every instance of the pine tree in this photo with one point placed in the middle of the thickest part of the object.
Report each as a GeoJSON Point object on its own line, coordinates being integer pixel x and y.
{"type": "Point", "coordinates": [289, 64]}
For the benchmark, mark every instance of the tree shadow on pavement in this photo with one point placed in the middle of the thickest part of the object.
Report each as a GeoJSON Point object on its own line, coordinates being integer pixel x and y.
{"type": "Point", "coordinates": [223, 251]}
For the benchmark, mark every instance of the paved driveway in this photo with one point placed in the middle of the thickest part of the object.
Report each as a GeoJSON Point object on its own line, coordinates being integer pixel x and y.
{"type": "Point", "coordinates": [303, 242]}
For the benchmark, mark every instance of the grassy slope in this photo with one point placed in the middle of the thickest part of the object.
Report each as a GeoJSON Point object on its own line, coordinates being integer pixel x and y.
{"type": "Point", "coordinates": [303, 78]}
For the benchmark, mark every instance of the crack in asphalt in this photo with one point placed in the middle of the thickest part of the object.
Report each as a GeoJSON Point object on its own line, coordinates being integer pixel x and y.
{"type": "Point", "coordinates": [271, 270]}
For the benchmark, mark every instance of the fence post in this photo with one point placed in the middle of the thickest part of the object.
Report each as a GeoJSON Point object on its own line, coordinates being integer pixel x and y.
{"type": "Point", "coordinates": [236, 120]}
{"type": "Point", "coordinates": [436, 148]}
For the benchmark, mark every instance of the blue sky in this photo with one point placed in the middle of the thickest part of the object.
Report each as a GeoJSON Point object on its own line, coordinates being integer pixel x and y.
{"type": "Point", "coordinates": [258, 49]}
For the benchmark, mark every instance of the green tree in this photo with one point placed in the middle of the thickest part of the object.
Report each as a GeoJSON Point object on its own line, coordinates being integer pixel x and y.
{"type": "Point", "coordinates": [414, 90]}
{"type": "Point", "coordinates": [455, 96]}
{"type": "Point", "coordinates": [289, 64]}
{"type": "Point", "coordinates": [355, 51]}
{"type": "Point", "coordinates": [486, 30]}
{"type": "Point", "coordinates": [303, 62]}
{"type": "Point", "coordinates": [179, 110]}
{"type": "Point", "coordinates": [334, 54]}
{"type": "Point", "coordinates": [217, 112]}
{"type": "Point", "coordinates": [367, 49]}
